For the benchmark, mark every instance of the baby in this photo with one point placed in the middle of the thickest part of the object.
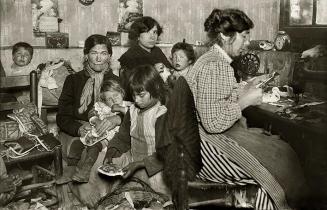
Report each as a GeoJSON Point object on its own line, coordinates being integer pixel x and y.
{"type": "Point", "coordinates": [22, 54]}
{"type": "Point", "coordinates": [112, 103]}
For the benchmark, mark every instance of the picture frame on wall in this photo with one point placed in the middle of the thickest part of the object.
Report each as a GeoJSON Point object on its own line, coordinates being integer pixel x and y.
{"type": "Point", "coordinates": [45, 16]}
{"type": "Point", "coordinates": [129, 11]}
{"type": "Point", "coordinates": [57, 40]}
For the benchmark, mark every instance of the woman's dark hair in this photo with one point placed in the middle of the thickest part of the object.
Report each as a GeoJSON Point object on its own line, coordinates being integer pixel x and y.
{"type": "Point", "coordinates": [24, 45]}
{"type": "Point", "coordinates": [141, 25]}
{"type": "Point", "coordinates": [147, 78]}
{"type": "Point", "coordinates": [95, 39]}
{"type": "Point", "coordinates": [227, 22]}
{"type": "Point", "coordinates": [187, 48]}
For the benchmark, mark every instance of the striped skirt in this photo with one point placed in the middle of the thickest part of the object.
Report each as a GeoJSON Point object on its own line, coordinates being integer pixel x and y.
{"type": "Point", "coordinates": [218, 168]}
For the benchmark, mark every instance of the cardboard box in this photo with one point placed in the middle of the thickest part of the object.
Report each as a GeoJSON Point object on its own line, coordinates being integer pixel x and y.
{"type": "Point", "coordinates": [57, 40]}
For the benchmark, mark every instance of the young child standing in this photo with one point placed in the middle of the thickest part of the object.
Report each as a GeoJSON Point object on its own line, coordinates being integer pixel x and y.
{"type": "Point", "coordinates": [111, 103]}
{"type": "Point", "coordinates": [142, 132]}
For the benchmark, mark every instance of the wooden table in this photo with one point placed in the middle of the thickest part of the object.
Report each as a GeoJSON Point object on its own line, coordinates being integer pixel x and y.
{"type": "Point", "coordinates": [308, 139]}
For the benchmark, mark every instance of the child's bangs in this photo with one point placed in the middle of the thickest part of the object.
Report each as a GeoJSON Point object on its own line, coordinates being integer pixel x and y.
{"type": "Point", "coordinates": [137, 87]}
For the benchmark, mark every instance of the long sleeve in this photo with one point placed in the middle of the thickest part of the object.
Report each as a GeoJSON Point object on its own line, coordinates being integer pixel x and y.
{"type": "Point", "coordinates": [65, 117]}
{"type": "Point", "coordinates": [122, 140]}
{"type": "Point", "coordinates": [216, 96]}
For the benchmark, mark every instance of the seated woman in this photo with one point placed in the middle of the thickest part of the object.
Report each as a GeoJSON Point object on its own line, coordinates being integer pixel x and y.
{"type": "Point", "coordinates": [231, 152]}
{"type": "Point", "coordinates": [143, 35]}
{"type": "Point", "coordinates": [80, 91]}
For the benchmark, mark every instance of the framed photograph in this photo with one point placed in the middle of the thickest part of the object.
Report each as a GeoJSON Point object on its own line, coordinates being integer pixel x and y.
{"type": "Point", "coordinates": [114, 38]}
{"type": "Point", "coordinates": [57, 40]}
{"type": "Point", "coordinates": [44, 16]}
{"type": "Point", "coordinates": [129, 11]}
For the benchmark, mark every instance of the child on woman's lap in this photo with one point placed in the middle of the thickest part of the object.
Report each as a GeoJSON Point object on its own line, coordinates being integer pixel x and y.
{"type": "Point", "coordinates": [112, 103]}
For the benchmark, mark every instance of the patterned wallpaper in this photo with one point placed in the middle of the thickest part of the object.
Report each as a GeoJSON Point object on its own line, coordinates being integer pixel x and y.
{"type": "Point", "coordinates": [179, 18]}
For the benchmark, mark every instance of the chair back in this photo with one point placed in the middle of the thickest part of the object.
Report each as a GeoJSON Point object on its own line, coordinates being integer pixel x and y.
{"type": "Point", "coordinates": [184, 152]}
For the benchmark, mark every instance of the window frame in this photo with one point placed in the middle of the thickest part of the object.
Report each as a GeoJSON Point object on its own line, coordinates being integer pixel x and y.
{"type": "Point", "coordinates": [300, 34]}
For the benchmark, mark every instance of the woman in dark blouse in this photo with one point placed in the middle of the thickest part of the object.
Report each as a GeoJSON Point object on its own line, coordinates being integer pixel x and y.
{"type": "Point", "coordinates": [143, 35]}
{"type": "Point", "coordinates": [79, 93]}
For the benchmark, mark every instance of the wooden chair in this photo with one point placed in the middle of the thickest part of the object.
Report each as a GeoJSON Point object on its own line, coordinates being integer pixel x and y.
{"type": "Point", "coordinates": [19, 83]}
{"type": "Point", "coordinates": [184, 153]}
{"type": "Point", "coordinates": [22, 83]}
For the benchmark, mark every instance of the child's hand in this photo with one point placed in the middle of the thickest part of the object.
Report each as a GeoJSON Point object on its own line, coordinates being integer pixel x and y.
{"type": "Point", "coordinates": [112, 152]}
{"type": "Point", "coordinates": [118, 108]}
{"type": "Point", "coordinates": [131, 168]}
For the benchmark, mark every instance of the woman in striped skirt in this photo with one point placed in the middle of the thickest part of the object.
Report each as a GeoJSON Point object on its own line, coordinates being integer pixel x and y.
{"type": "Point", "coordinates": [231, 152]}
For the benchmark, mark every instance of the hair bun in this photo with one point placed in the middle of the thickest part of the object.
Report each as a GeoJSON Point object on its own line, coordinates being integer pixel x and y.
{"type": "Point", "coordinates": [213, 21]}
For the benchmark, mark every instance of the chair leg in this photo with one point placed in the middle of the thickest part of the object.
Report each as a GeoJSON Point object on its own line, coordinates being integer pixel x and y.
{"type": "Point", "coordinates": [181, 201]}
{"type": "Point", "coordinates": [58, 161]}
{"type": "Point", "coordinates": [182, 193]}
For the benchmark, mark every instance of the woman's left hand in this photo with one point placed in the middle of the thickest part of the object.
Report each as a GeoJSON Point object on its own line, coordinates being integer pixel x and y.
{"type": "Point", "coordinates": [131, 168]}
{"type": "Point", "coordinates": [107, 124]}
{"type": "Point", "coordinates": [257, 80]}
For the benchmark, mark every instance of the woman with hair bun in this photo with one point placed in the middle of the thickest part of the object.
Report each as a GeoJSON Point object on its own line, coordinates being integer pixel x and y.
{"type": "Point", "coordinates": [231, 152]}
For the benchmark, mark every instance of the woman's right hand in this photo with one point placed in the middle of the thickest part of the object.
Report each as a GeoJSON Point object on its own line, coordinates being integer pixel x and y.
{"type": "Point", "coordinates": [250, 97]}
{"type": "Point", "coordinates": [84, 129]}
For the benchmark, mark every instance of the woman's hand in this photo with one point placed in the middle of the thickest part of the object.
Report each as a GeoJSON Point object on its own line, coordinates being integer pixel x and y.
{"type": "Point", "coordinates": [131, 168]}
{"type": "Point", "coordinates": [257, 80]}
{"type": "Point", "coordinates": [84, 129]}
{"type": "Point", "coordinates": [107, 124]}
{"type": "Point", "coordinates": [250, 97]}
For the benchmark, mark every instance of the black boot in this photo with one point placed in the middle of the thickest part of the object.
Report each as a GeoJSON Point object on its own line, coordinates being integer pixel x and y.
{"type": "Point", "coordinates": [84, 166]}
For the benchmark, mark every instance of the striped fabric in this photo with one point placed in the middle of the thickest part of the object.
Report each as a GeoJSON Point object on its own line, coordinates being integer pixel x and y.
{"type": "Point", "coordinates": [218, 168]}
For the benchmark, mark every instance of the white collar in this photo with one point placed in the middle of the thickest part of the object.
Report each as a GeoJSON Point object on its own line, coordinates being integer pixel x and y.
{"type": "Point", "coordinates": [220, 50]}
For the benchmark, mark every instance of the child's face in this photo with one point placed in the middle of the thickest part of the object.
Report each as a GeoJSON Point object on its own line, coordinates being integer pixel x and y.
{"type": "Point", "coordinates": [144, 99]}
{"type": "Point", "coordinates": [112, 97]}
{"type": "Point", "coordinates": [180, 60]}
{"type": "Point", "coordinates": [22, 57]}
